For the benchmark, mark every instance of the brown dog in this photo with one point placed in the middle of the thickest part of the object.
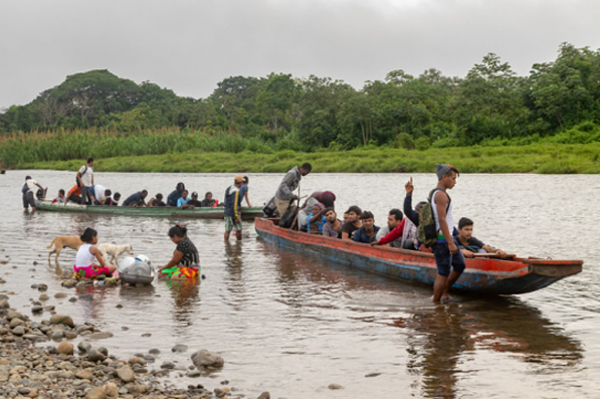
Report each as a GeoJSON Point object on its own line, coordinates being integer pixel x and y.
{"type": "Point", "coordinates": [63, 241]}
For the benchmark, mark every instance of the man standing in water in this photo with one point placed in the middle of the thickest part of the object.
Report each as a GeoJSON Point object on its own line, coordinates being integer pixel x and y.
{"type": "Point", "coordinates": [445, 249]}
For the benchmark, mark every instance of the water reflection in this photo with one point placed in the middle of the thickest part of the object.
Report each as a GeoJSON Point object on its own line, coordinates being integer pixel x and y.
{"type": "Point", "coordinates": [439, 337]}
{"type": "Point", "coordinates": [186, 300]}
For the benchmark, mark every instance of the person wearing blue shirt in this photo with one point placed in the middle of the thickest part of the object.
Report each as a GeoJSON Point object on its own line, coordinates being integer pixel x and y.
{"type": "Point", "coordinates": [183, 200]}
{"type": "Point", "coordinates": [316, 220]}
{"type": "Point", "coordinates": [175, 195]}
{"type": "Point", "coordinates": [136, 199]}
{"type": "Point", "coordinates": [368, 232]}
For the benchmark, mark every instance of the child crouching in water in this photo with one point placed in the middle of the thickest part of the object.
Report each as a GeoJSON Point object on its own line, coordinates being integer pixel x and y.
{"type": "Point", "coordinates": [185, 263]}
{"type": "Point", "coordinates": [86, 254]}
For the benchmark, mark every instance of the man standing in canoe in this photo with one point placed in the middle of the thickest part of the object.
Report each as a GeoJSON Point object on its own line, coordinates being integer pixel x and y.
{"type": "Point", "coordinates": [290, 182]}
{"type": "Point", "coordinates": [446, 251]}
{"type": "Point", "coordinates": [85, 180]}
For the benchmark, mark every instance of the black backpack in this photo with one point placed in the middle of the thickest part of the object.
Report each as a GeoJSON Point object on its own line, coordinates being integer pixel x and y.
{"type": "Point", "coordinates": [270, 208]}
{"type": "Point", "coordinates": [288, 218]}
{"type": "Point", "coordinates": [77, 180]}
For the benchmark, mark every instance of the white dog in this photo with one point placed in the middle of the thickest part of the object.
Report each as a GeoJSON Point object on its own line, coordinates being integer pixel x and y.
{"type": "Point", "coordinates": [114, 251]}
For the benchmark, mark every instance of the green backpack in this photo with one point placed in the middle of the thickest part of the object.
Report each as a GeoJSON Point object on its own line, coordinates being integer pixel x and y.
{"type": "Point", "coordinates": [426, 230]}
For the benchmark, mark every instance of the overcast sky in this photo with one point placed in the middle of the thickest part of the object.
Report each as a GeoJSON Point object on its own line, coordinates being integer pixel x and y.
{"type": "Point", "coordinates": [189, 46]}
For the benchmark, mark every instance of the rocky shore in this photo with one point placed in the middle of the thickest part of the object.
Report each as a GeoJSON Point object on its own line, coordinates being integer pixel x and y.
{"type": "Point", "coordinates": [39, 360]}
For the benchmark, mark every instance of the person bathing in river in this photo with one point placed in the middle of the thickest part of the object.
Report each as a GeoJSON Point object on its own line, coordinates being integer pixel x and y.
{"type": "Point", "coordinates": [368, 232]}
{"type": "Point", "coordinates": [470, 245]}
{"type": "Point", "coordinates": [185, 263]}
{"type": "Point", "coordinates": [352, 223]}
{"type": "Point", "coordinates": [87, 255]}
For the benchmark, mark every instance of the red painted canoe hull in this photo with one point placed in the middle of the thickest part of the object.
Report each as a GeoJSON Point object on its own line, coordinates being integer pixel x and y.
{"type": "Point", "coordinates": [482, 275]}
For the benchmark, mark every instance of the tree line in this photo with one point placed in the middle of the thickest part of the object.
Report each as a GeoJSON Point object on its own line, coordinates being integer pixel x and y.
{"type": "Point", "coordinates": [490, 103]}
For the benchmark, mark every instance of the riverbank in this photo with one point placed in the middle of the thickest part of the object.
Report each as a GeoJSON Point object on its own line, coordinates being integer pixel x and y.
{"type": "Point", "coordinates": [39, 359]}
{"type": "Point", "coordinates": [534, 158]}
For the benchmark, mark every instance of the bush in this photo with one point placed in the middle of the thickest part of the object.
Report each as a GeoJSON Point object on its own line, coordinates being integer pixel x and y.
{"type": "Point", "coordinates": [446, 142]}
{"type": "Point", "coordinates": [423, 143]}
{"type": "Point", "coordinates": [404, 140]}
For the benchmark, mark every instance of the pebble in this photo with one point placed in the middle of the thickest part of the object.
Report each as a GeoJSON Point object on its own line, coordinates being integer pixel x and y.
{"type": "Point", "coordinates": [167, 365]}
{"type": "Point", "coordinates": [84, 346]}
{"type": "Point", "coordinates": [96, 393]}
{"type": "Point", "coordinates": [335, 386]}
{"type": "Point", "coordinates": [154, 351]}
{"type": "Point", "coordinates": [18, 331]}
{"type": "Point", "coordinates": [72, 299]}
{"type": "Point", "coordinates": [193, 374]}
{"type": "Point", "coordinates": [204, 358]}
{"type": "Point", "coordinates": [179, 348]}
{"type": "Point", "coordinates": [60, 295]}
{"type": "Point", "coordinates": [125, 373]}
{"type": "Point", "coordinates": [85, 374]}
{"type": "Point", "coordinates": [95, 356]}
{"type": "Point", "coordinates": [57, 336]}
{"type": "Point", "coordinates": [264, 395]}
{"type": "Point", "coordinates": [62, 319]}
{"type": "Point", "coordinates": [42, 287]}
{"type": "Point", "coordinates": [65, 348]}
{"type": "Point", "coordinates": [44, 297]}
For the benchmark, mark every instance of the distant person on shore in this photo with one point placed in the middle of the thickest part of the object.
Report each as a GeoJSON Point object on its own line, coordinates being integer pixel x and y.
{"type": "Point", "coordinates": [87, 254]}
{"type": "Point", "coordinates": [446, 251]}
{"type": "Point", "coordinates": [208, 200]}
{"type": "Point", "coordinates": [136, 199]}
{"type": "Point", "coordinates": [193, 202]}
{"type": "Point", "coordinates": [27, 190]}
{"type": "Point", "coordinates": [61, 197]}
{"type": "Point", "coordinates": [368, 232]}
{"type": "Point", "coordinates": [333, 227]}
{"type": "Point", "coordinates": [181, 202]}
{"type": "Point", "coordinates": [85, 180]}
{"type": "Point", "coordinates": [352, 224]}
{"type": "Point", "coordinates": [185, 263]}
{"type": "Point", "coordinates": [391, 234]}
{"type": "Point", "coordinates": [232, 213]}
{"type": "Point", "coordinates": [175, 195]}
{"type": "Point", "coordinates": [469, 245]}
{"type": "Point", "coordinates": [290, 182]}
{"type": "Point", "coordinates": [156, 201]}
{"type": "Point", "coordinates": [74, 195]}
{"type": "Point", "coordinates": [245, 188]}
{"type": "Point", "coordinates": [113, 200]}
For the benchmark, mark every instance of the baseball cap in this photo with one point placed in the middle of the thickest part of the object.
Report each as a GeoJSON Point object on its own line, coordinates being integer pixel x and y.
{"type": "Point", "coordinates": [194, 194]}
{"type": "Point", "coordinates": [239, 178]}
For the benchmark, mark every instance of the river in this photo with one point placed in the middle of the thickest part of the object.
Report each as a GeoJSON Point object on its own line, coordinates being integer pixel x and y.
{"type": "Point", "coordinates": [291, 324]}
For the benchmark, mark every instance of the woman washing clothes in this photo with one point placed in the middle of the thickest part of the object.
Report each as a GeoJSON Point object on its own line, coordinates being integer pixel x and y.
{"type": "Point", "coordinates": [86, 255]}
{"type": "Point", "coordinates": [185, 263]}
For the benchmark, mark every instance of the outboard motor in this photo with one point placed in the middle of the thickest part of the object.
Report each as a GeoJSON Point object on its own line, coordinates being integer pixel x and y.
{"type": "Point", "coordinates": [270, 208]}
{"type": "Point", "coordinates": [137, 270]}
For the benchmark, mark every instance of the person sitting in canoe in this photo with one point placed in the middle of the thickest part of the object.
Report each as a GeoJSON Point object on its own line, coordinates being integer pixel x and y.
{"type": "Point", "coordinates": [61, 197]}
{"type": "Point", "coordinates": [182, 202]}
{"type": "Point", "coordinates": [352, 224]}
{"type": "Point", "coordinates": [156, 201]}
{"type": "Point", "coordinates": [113, 200]}
{"type": "Point", "coordinates": [368, 232]}
{"type": "Point", "coordinates": [208, 200]}
{"type": "Point", "coordinates": [391, 234]}
{"type": "Point", "coordinates": [185, 263]}
{"type": "Point", "coordinates": [470, 245]}
{"type": "Point", "coordinates": [175, 195]}
{"type": "Point", "coordinates": [136, 199]}
{"type": "Point", "coordinates": [316, 220]}
{"type": "Point", "coordinates": [194, 203]}
{"type": "Point", "coordinates": [74, 195]}
{"type": "Point", "coordinates": [333, 228]}
{"type": "Point", "coordinates": [87, 254]}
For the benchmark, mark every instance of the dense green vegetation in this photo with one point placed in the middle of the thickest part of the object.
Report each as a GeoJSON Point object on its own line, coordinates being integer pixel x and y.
{"type": "Point", "coordinates": [99, 114]}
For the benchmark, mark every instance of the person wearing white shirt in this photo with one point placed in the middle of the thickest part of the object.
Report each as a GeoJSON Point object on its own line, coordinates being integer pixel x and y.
{"type": "Point", "coordinates": [27, 191]}
{"type": "Point", "coordinates": [85, 180]}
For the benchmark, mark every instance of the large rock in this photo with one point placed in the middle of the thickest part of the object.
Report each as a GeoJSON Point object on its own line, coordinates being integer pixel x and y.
{"type": "Point", "coordinates": [112, 391]}
{"type": "Point", "coordinates": [4, 304]}
{"type": "Point", "coordinates": [18, 331]}
{"type": "Point", "coordinates": [65, 348]}
{"type": "Point", "coordinates": [62, 319]}
{"type": "Point", "coordinates": [204, 358]}
{"type": "Point", "coordinates": [264, 395]}
{"type": "Point", "coordinates": [125, 373]}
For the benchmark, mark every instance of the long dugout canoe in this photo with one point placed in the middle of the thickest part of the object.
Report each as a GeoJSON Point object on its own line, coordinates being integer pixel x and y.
{"type": "Point", "coordinates": [483, 275]}
{"type": "Point", "coordinates": [161, 211]}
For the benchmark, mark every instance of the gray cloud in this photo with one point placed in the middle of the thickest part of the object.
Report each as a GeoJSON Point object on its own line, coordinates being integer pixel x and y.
{"type": "Point", "coordinates": [189, 46]}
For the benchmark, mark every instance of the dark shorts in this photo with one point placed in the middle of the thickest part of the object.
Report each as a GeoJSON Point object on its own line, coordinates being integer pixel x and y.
{"type": "Point", "coordinates": [444, 259]}
{"type": "Point", "coordinates": [28, 200]}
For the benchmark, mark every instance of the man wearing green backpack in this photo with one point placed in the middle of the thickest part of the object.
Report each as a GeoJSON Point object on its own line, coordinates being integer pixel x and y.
{"type": "Point", "coordinates": [445, 249]}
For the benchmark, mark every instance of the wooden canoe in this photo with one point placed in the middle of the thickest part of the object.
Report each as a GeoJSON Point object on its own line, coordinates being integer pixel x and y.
{"type": "Point", "coordinates": [482, 275]}
{"type": "Point", "coordinates": [161, 211]}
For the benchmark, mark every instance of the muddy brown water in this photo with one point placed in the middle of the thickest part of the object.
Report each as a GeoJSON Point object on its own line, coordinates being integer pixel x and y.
{"type": "Point", "coordinates": [292, 324]}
